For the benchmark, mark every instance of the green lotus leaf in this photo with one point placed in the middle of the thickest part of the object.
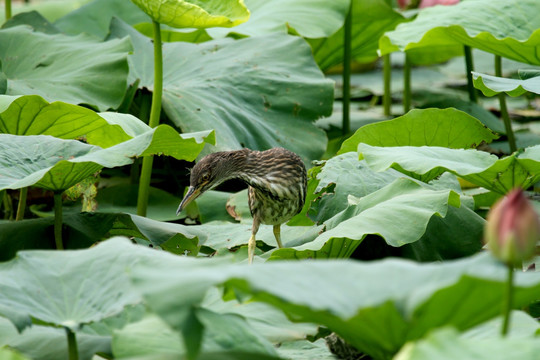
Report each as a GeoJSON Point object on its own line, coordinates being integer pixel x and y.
{"type": "Point", "coordinates": [32, 115]}
{"type": "Point", "coordinates": [10, 354]}
{"type": "Point", "coordinates": [172, 35]}
{"type": "Point", "coordinates": [379, 213]}
{"type": "Point", "coordinates": [73, 69]}
{"type": "Point", "coordinates": [493, 85]}
{"type": "Point", "coordinates": [521, 169]}
{"type": "Point", "coordinates": [56, 164]}
{"type": "Point", "coordinates": [308, 18]}
{"type": "Point", "coordinates": [67, 288]}
{"type": "Point", "coordinates": [51, 10]}
{"type": "Point", "coordinates": [370, 20]}
{"type": "Point", "coordinates": [427, 127]}
{"type": "Point", "coordinates": [33, 19]}
{"type": "Point", "coordinates": [217, 235]}
{"type": "Point", "coordinates": [453, 26]}
{"type": "Point", "coordinates": [345, 175]}
{"type": "Point", "coordinates": [35, 342]}
{"type": "Point", "coordinates": [523, 325]}
{"type": "Point", "coordinates": [84, 19]}
{"type": "Point", "coordinates": [363, 313]}
{"type": "Point", "coordinates": [426, 239]}
{"type": "Point", "coordinates": [255, 92]}
{"type": "Point", "coordinates": [486, 117]}
{"type": "Point", "coordinates": [306, 349]}
{"type": "Point", "coordinates": [447, 344]}
{"type": "Point", "coordinates": [133, 340]}
{"type": "Point", "coordinates": [195, 13]}
{"type": "Point", "coordinates": [263, 318]}
{"type": "Point", "coordinates": [224, 333]}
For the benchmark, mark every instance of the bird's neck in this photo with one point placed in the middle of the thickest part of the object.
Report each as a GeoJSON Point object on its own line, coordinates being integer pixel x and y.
{"type": "Point", "coordinates": [235, 164]}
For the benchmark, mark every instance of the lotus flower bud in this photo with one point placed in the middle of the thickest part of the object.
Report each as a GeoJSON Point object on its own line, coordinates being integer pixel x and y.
{"type": "Point", "coordinates": [512, 229]}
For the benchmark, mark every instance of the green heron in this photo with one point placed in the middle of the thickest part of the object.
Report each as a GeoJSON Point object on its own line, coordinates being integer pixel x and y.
{"type": "Point", "coordinates": [276, 180]}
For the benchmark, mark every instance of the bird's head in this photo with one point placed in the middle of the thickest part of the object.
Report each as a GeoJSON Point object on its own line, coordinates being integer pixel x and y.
{"type": "Point", "coordinates": [211, 171]}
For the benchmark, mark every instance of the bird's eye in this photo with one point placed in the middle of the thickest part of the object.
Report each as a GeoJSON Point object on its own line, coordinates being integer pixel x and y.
{"type": "Point", "coordinates": [206, 177]}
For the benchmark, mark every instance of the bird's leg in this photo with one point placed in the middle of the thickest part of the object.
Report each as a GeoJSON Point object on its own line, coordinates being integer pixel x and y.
{"type": "Point", "coordinates": [277, 234]}
{"type": "Point", "coordinates": [252, 241]}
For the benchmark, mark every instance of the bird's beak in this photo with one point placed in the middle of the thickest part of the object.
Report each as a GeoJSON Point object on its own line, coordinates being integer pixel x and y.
{"type": "Point", "coordinates": [191, 195]}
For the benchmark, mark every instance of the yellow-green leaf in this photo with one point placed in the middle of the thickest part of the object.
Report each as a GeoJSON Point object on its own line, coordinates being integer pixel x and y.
{"type": "Point", "coordinates": [195, 13]}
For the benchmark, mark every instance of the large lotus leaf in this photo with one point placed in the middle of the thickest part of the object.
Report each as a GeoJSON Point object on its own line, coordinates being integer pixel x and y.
{"type": "Point", "coordinates": [32, 115]}
{"type": "Point", "coordinates": [443, 101]}
{"type": "Point", "coordinates": [345, 175]}
{"type": "Point", "coordinates": [171, 35]}
{"type": "Point", "coordinates": [68, 288]}
{"type": "Point", "coordinates": [370, 20]}
{"type": "Point", "coordinates": [194, 13]}
{"type": "Point", "coordinates": [152, 336]}
{"type": "Point", "coordinates": [522, 325]}
{"type": "Point", "coordinates": [493, 85]}
{"type": "Point", "coordinates": [506, 28]}
{"type": "Point", "coordinates": [217, 235]}
{"type": "Point", "coordinates": [10, 354]}
{"type": "Point", "coordinates": [149, 336]}
{"type": "Point", "coordinates": [55, 164]}
{"type": "Point", "coordinates": [255, 92]}
{"type": "Point", "coordinates": [33, 19]}
{"type": "Point", "coordinates": [84, 19]}
{"type": "Point", "coordinates": [308, 18]}
{"type": "Point", "coordinates": [51, 10]}
{"type": "Point", "coordinates": [447, 344]}
{"type": "Point", "coordinates": [423, 127]}
{"type": "Point", "coordinates": [500, 175]}
{"type": "Point", "coordinates": [263, 318]}
{"type": "Point", "coordinates": [364, 313]}
{"type": "Point", "coordinates": [457, 235]}
{"type": "Point", "coordinates": [36, 341]}
{"type": "Point", "coordinates": [223, 333]}
{"type": "Point", "coordinates": [74, 69]}
{"type": "Point", "coordinates": [399, 213]}
{"type": "Point", "coordinates": [306, 350]}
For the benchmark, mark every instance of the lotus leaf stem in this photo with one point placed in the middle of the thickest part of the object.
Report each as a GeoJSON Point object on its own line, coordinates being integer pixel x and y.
{"type": "Point", "coordinates": [155, 111]}
{"type": "Point", "coordinates": [504, 108]}
{"type": "Point", "coordinates": [22, 204]}
{"type": "Point", "coordinates": [58, 220]}
{"type": "Point", "coordinates": [346, 126]}
{"type": "Point", "coordinates": [387, 73]}
{"type": "Point", "coordinates": [72, 345]}
{"type": "Point", "coordinates": [407, 84]}
{"type": "Point", "coordinates": [8, 9]}
{"type": "Point", "coordinates": [6, 203]}
{"type": "Point", "coordinates": [507, 300]}
{"type": "Point", "coordinates": [469, 65]}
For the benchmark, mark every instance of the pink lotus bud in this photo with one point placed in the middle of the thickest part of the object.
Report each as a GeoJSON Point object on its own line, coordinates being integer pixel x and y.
{"type": "Point", "coordinates": [403, 3]}
{"type": "Point", "coordinates": [428, 3]}
{"type": "Point", "coordinates": [512, 229]}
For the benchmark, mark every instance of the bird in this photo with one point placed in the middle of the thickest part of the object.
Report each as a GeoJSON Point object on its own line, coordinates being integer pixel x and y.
{"type": "Point", "coordinates": [276, 180]}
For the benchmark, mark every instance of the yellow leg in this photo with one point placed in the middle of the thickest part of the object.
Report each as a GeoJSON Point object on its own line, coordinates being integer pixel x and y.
{"type": "Point", "coordinates": [277, 234]}
{"type": "Point", "coordinates": [251, 248]}
{"type": "Point", "coordinates": [252, 241]}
